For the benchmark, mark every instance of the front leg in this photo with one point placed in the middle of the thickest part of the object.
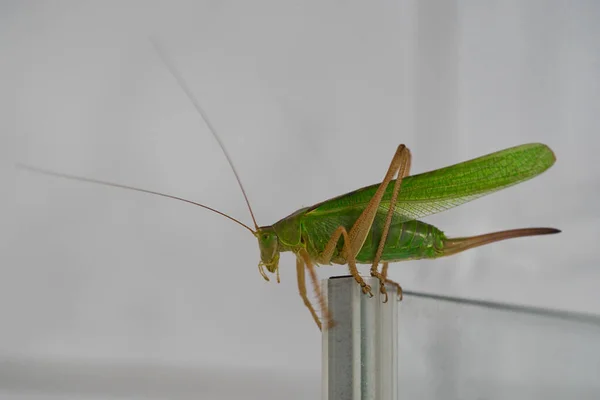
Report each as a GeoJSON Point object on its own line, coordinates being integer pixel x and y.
{"type": "Point", "coordinates": [302, 290]}
{"type": "Point", "coordinates": [303, 260]}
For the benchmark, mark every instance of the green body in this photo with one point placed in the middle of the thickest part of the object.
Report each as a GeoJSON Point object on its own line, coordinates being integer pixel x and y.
{"type": "Point", "coordinates": [420, 195]}
{"type": "Point", "coordinates": [307, 232]}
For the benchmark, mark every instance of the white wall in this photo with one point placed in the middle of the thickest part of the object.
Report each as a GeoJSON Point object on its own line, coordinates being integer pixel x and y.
{"type": "Point", "coordinates": [311, 98]}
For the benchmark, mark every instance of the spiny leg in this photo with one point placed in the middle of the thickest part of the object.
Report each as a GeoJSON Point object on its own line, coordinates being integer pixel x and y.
{"type": "Point", "coordinates": [328, 253]}
{"type": "Point", "coordinates": [403, 172]}
{"type": "Point", "coordinates": [306, 261]}
{"type": "Point", "coordinates": [302, 290]}
{"type": "Point", "coordinates": [317, 285]}
{"type": "Point", "coordinates": [384, 271]}
{"type": "Point", "coordinates": [355, 238]}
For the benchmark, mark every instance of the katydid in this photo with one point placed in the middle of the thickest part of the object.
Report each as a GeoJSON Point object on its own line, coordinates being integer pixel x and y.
{"type": "Point", "coordinates": [378, 223]}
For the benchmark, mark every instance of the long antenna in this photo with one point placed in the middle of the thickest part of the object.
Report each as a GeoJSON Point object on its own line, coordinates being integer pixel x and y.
{"type": "Point", "coordinates": [192, 98]}
{"type": "Point", "coordinates": [79, 178]}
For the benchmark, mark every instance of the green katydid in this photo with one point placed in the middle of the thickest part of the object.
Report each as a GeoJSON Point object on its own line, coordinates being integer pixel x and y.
{"type": "Point", "coordinates": [378, 223]}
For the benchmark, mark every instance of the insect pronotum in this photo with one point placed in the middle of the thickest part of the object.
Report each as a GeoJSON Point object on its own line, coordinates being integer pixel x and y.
{"type": "Point", "coordinates": [377, 223]}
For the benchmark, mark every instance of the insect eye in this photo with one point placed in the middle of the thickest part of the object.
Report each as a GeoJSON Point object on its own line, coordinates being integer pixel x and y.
{"type": "Point", "coordinates": [265, 236]}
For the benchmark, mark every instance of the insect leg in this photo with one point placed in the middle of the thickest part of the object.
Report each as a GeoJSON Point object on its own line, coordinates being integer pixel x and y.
{"type": "Point", "coordinates": [355, 238]}
{"type": "Point", "coordinates": [403, 171]}
{"type": "Point", "coordinates": [302, 290]}
{"type": "Point", "coordinates": [328, 253]}
{"type": "Point", "coordinates": [384, 271]}
{"type": "Point", "coordinates": [305, 261]}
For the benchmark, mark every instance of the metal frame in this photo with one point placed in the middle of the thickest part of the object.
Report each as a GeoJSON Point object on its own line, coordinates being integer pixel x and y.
{"type": "Point", "coordinates": [360, 353]}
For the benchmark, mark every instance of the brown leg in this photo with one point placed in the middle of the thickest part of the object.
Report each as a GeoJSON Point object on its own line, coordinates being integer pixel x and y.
{"type": "Point", "coordinates": [302, 289]}
{"type": "Point", "coordinates": [303, 260]}
{"type": "Point", "coordinates": [403, 172]}
{"type": "Point", "coordinates": [384, 271]}
{"type": "Point", "coordinates": [355, 238]}
{"type": "Point", "coordinates": [328, 253]}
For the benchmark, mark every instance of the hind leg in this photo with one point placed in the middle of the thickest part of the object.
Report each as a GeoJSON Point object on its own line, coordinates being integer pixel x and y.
{"type": "Point", "coordinates": [355, 238]}
{"type": "Point", "coordinates": [384, 271]}
{"type": "Point", "coordinates": [403, 172]}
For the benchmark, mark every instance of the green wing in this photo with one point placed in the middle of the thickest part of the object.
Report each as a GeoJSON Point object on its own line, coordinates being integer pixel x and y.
{"type": "Point", "coordinates": [441, 189]}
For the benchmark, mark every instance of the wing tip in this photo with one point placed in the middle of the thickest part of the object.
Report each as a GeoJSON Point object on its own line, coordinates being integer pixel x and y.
{"type": "Point", "coordinates": [544, 154]}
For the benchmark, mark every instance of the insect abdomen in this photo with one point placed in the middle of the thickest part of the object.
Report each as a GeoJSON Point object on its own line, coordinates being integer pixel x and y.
{"type": "Point", "coordinates": [405, 241]}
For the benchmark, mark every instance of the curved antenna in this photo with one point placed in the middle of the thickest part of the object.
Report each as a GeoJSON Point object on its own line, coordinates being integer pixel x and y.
{"type": "Point", "coordinates": [190, 95]}
{"type": "Point", "coordinates": [99, 182]}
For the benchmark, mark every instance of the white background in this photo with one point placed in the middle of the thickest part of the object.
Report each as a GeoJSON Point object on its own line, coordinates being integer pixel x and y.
{"type": "Point", "coordinates": [311, 99]}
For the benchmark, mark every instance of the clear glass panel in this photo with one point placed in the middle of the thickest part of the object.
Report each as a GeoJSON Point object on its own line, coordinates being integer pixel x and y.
{"type": "Point", "coordinates": [451, 350]}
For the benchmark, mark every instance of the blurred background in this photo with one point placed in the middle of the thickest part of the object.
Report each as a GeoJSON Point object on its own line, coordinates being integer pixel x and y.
{"type": "Point", "coordinates": [106, 293]}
